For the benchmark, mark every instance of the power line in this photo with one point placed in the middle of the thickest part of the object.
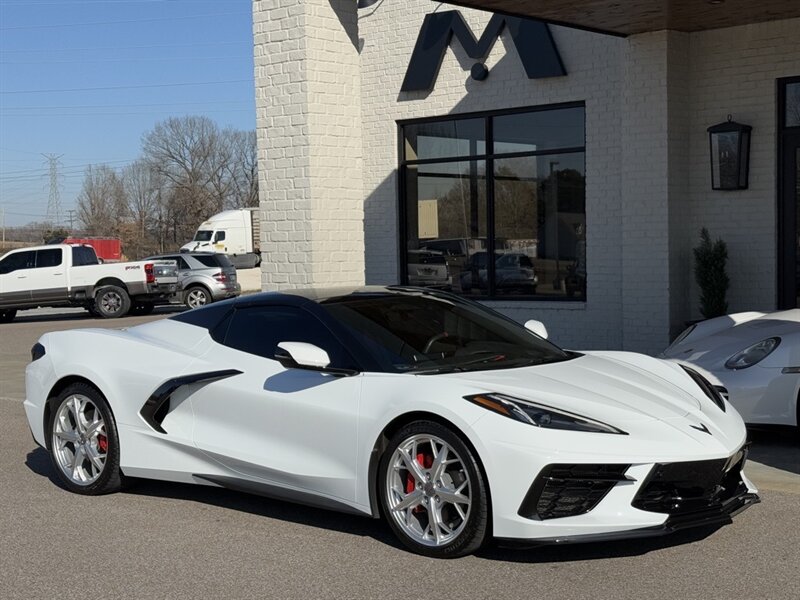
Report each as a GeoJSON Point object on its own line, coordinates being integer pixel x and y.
{"type": "Point", "coordinates": [117, 114]}
{"type": "Point", "coordinates": [129, 87]}
{"type": "Point", "coordinates": [140, 47]}
{"type": "Point", "coordinates": [118, 22]}
{"type": "Point", "coordinates": [65, 106]}
{"type": "Point", "coordinates": [124, 59]}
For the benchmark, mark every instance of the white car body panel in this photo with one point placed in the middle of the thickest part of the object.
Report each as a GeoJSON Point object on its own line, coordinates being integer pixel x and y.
{"type": "Point", "coordinates": [762, 393]}
{"type": "Point", "coordinates": [312, 434]}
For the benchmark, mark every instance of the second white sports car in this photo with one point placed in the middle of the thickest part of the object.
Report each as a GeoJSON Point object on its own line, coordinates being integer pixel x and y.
{"type": "Point", "coordinates": [754, 360]}
{"type": "Point", "coordinates": [451, 421]}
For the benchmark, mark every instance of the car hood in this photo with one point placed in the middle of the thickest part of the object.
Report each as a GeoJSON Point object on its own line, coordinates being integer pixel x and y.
{"type": "Point", "coordinates": [712, 351]}
{"type": "Point", "coordinates": [616, 387]}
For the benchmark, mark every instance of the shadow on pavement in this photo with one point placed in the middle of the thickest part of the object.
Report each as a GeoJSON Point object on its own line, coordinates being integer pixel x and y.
{"type": "Point", "coordinates": [38, 461]}
{"type": "Point", "coordinates": [777, 447]}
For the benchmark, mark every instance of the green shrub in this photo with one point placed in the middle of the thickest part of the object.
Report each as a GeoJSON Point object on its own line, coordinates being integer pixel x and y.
{"type": "Point", "coordinates": [710, 258]}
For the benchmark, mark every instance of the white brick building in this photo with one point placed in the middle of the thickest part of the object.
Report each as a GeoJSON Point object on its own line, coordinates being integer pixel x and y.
{"type": "Point", "coordinates": [364, 183]}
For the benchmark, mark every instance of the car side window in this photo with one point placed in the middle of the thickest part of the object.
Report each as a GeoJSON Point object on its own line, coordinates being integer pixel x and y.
{"type": "Point", "coordinates": [219, 236]}
{"type": "Point", "coordinates": [182, 264]}
{"type": "Point", "coordinates": [17, 262]}
{"type": "Point", "coordinates": [259, 330]}
{"type": "Point", "coordinates": [83, 256]}
{"type": "Point", "coordinates": [48, 258]}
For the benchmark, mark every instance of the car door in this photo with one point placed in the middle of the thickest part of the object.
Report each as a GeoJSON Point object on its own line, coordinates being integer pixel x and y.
{"type": "Point", "coordinates": [293, 428]}
{"type": "Point", "coordinates": [49, 277]}
{"type": "Point", "coordinates": [15, 285]}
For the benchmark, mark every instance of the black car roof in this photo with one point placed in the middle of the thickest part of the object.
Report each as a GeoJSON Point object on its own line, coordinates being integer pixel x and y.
{"type": "Point", "coordinates": [319, 295]}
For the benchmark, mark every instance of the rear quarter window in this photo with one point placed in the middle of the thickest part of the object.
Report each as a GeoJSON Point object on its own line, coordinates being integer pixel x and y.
{"type": "Point", "coordinates": [213, 260]}
{"type": "Point", "coordinates": [82, 256]}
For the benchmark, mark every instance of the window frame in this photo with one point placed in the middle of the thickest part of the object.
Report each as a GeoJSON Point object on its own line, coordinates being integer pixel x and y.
{"type": "Point", "coordinates": [489, 158]}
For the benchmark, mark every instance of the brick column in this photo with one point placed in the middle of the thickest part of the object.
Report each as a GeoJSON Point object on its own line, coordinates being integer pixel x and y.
{"type": "Point", "coordinates": [655, 144]}
{"type": "Point", "coordinates": [308, 103]}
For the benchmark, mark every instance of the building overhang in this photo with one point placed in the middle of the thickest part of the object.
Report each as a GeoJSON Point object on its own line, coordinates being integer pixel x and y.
{"type": "Point", "coordinates": [628, 17]}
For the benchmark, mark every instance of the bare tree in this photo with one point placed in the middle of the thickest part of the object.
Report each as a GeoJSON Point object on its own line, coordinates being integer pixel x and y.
{"type": "Point", "coordinates": [101, 202]}
{"type": "Point", "coordinates": [243, 169]}
{"type": "Point", "coordinates": [191, 155]}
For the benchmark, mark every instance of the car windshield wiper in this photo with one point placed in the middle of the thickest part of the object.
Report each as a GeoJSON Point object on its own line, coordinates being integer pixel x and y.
{"type": "Point", "coordinates": [494, 356]}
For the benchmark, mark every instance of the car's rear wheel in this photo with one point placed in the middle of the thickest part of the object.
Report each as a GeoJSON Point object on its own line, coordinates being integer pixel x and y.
{"type": "Point", "coordinates": [6, 316]}
{"type": "Point", "coordinates": [197, 296]}
{"type": "Point", "coordinates": [433, 492]}
{"type": "Point", "coordinates": [83, 442]}
{"type": "Point", "coordinates": [112, 302]}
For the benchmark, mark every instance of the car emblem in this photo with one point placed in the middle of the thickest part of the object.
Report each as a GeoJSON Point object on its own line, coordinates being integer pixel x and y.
{"type": "Point", "coordinates": [701, 427]}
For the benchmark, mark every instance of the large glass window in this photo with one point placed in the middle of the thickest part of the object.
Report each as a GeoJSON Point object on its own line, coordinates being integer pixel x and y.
{"type": "Point", "coordinates": [508, 185]}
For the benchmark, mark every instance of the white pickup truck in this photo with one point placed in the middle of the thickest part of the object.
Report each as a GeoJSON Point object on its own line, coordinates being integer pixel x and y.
{"type": "Point", "coordinates": [71, 275]}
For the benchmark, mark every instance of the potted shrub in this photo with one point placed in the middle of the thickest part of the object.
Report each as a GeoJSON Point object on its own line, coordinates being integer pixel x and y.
{"type": "Point", "coordinates": [710, 259]}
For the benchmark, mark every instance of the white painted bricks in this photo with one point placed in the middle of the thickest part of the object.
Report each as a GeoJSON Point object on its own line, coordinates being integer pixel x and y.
{"type": "Point", "coordinates": [308, 103]}
{"type": "Point", "coordinates": [328, 151]}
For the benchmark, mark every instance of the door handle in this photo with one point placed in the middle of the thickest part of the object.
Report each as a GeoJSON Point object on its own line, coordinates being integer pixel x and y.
{"type": "Point", "coordinates": [57, 274]}
{"type": "Point", "coordinates": [22, 276]}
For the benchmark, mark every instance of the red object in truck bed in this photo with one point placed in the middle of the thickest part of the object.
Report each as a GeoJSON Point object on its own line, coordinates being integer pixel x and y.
{"type": "Point", "coordinates": [109, 249]}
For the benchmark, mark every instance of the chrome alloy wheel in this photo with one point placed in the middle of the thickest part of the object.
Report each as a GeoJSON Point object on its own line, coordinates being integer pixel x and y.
{"type": "Point", "coordinates": [111, 302]}
{"type": "Point", "coordinates": [80, 444]}
{"type": "Point", "coordinates": [428, 490]}
{"type": "Point", "coordinates": [196, 298]}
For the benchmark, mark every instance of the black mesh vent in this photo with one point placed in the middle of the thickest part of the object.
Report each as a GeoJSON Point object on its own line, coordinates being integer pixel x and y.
{"type": "Point", "coordinates": [569, 490]}
{"type": "Point", "coordinates": [680, 488]}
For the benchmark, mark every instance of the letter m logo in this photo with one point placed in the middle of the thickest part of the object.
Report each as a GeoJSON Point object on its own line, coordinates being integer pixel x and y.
{"type": "Point", "coordinates": [533, 41]}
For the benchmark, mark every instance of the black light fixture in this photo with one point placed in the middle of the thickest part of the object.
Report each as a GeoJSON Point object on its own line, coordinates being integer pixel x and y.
{"type": "Point", "coordinates": [730, 155]}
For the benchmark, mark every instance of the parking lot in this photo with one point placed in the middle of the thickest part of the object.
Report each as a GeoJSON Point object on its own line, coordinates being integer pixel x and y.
{"type": "Point", "coordinates": [168, 540]}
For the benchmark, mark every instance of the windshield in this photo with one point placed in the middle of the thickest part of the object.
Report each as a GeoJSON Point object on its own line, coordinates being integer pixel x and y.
{"type": "Point", "coordinates": [203, 236]}
{"type": "Point", "coordinates": [430, 334]}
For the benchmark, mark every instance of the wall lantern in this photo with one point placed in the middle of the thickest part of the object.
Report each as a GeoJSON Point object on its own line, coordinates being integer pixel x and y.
{"type": "Point", "coordinates": [730, 155]}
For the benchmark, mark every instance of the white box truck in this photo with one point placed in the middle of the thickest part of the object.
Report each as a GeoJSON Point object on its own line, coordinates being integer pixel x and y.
{"type": "Point", "coordinates": [232, 232]}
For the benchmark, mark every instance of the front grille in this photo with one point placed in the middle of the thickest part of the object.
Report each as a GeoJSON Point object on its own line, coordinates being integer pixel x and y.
{"type": "Point", "coordinates": [569, 490]}
{"type": "Point", "coordinates": [687, 487]}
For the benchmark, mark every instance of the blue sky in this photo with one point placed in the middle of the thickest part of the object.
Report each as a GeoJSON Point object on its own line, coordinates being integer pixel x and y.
{"type": "Point", "coordinates": [86, 78]}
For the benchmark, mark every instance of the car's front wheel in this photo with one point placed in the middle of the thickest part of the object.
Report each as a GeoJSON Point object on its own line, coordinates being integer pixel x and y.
{"type": "Point", "coordinates": [83, 442]}
{"type": "Point", "coordinates": [433, 492]}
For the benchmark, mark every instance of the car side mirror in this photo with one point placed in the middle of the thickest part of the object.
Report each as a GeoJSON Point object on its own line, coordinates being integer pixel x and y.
{"type": "Point", "coordinates": [301, 355]}
{"type": "Point", "coordinates": [536, 327]}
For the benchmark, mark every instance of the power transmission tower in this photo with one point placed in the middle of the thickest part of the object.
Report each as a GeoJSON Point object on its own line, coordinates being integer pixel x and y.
{"type": "Point", "coordinates": [54, 216]}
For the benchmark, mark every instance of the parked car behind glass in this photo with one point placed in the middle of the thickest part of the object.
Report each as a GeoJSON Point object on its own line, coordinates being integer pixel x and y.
{"type": "Point", "coordinates": [204, 277]}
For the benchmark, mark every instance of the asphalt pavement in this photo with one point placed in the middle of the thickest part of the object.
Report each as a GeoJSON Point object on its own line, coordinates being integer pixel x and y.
{"type": "Point", "coordinates": [162, 540]}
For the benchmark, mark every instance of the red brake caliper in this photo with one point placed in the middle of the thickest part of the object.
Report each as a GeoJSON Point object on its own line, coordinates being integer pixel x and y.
{"type": "Point", "coordinates": [102, 443]}
{"type": "Point", "coordinates": [426, 460]}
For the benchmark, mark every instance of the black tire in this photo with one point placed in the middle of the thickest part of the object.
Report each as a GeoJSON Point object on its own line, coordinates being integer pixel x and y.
{"type": "Point", "coordinates": [6, 316]}
{"type": "Point", "coordinates": [477, 527]}
{"type": "Point", "coordinates": [141, 309]}
{"type": "Point", "coordinates": [112, 302]}
{"type": "Point", "coordinates": [192, 297]}
{"type": "Point", "coordinates": [111, 478]}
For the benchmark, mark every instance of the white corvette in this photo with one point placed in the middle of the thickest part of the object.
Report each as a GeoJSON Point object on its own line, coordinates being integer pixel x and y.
{"type": "Point", "coordinates": [754, 356]}
{"type": "Point", "coordinates": [453, 422]}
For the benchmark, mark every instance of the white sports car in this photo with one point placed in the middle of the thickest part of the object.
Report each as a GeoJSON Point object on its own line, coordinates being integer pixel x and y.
{"type": "Point", "coordinates": [453, 422]}
{"type": "Point", "coordinates": [753, 358]}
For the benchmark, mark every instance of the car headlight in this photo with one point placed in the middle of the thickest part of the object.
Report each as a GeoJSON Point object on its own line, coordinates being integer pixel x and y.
{"type": "Point", "coordinates": [753, 354]}
{"type": "Point", "coordinates": [540, 415]}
